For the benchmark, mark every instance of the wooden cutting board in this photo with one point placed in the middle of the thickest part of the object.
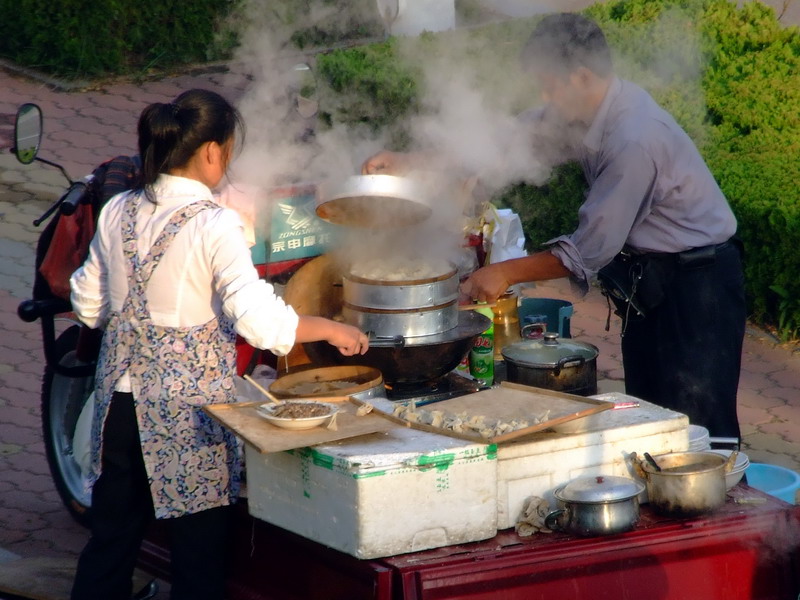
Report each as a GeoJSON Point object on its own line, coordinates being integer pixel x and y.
{"type": "Point", "coordinates": [245, 421]}
{"type": "Point", "coordinates": [510, 401]}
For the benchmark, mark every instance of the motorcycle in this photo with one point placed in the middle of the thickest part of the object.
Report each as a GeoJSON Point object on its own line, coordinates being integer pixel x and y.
{"type": "Point", "coordinates": [70, 348]}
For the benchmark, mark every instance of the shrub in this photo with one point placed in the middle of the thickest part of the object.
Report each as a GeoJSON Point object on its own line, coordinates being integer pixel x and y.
{"type": "Point", "coordinates": [86, 39]}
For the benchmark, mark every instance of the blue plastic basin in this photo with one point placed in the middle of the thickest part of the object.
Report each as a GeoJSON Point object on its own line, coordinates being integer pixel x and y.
{"type": "Point", "coordinates": [773, 480]}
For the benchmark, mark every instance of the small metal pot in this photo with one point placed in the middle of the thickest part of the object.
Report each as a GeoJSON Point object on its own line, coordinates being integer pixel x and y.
{"type": "Point", "coordinates": [685, 484]}
{"type": "Point", "coordinates": [597, 505]}
{"type": "Point", "coordinates": [551, 363]}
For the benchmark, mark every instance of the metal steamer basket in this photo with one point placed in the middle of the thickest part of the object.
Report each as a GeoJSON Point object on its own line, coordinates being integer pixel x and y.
{"type": "Point", "coordinates": [401, 308]}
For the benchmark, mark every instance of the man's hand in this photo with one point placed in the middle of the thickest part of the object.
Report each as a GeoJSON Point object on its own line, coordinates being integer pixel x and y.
{"type": "Point", "coordinates": [386, 163]}
{"type": "Point", "coordinates": [491, 282]}
{"type": "Point", "coordinates": [486, 284]}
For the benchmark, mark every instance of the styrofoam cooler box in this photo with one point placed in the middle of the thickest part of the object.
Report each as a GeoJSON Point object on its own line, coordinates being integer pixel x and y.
{"type": "Point", "coordinates": [537, 467]}
{"type": "Point", "coordinates": [379, 495]}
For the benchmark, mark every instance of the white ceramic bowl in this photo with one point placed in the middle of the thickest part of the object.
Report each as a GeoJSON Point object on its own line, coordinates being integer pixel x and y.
{"type": "Point", "coordinates": [297, 423]}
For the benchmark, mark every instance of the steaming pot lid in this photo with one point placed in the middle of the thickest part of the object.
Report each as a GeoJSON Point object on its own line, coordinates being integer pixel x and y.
{"type": "Point", "coordinates": [374, 201]}
{"type": "Point", "coordinates": [547, 351]}
{"type": "Point", "coordinates": [599, 488]}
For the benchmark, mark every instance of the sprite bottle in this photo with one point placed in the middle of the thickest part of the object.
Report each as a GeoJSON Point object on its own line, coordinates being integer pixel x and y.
{"type": "Point", "coordinates": [481, 356]}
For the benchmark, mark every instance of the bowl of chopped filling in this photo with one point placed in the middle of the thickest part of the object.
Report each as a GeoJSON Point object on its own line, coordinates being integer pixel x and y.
{"type": "Point", "coordinates": [297, 414]}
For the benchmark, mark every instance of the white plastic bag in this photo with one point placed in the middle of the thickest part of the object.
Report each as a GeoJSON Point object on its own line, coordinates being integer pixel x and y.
{"type": "Point", "coordinates": [506, 237]}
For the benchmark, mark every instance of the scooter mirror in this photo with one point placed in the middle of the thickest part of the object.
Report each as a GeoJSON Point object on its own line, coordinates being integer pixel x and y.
{"type": "Point", "coordinates": [27, 133]}
{"type": "Point", "coordinates": [305, 84]}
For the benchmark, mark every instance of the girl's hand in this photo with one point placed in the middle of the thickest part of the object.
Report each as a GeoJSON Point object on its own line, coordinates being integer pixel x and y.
{"type": "Point", "coordinates": [348, 340]}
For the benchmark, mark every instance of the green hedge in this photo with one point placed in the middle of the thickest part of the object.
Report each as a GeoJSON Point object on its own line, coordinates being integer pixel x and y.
{"type": "Point", "coordinates": [730, 76]}
{"type": "Point", "coordinates": [81, 38]}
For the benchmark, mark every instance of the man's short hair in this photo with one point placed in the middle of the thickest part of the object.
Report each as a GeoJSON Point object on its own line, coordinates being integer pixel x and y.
{"type": "Point", "coordinates": [561, 43]}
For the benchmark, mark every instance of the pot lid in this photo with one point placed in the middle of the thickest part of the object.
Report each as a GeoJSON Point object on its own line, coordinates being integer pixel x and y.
{"type": "Point", "coordinates": [374, 201]}
{"type": "Point", "coordinates": [599, 488]}
{"type": "Point", "coordinates": [547, 351]}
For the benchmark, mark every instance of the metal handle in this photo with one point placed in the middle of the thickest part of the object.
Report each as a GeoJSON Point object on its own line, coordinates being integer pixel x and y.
{"type": "Point", "coordinates": [732, 441]}
{"type": "Point", "coordinates": [531, 329]}
{"type": "Point", "coordinates": [578, 360]}
{"type": "Point", "coordinates": [551, 520]}
{"type": "Point", "coordinates": [396, 341]}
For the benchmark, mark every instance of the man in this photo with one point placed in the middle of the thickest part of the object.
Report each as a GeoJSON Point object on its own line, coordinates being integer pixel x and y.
{"type": "Point", "coordinates": [652, 198]}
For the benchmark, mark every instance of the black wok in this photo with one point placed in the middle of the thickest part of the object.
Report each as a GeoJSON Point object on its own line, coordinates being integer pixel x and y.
{"type": "Point", "coordinates": [420, 359]}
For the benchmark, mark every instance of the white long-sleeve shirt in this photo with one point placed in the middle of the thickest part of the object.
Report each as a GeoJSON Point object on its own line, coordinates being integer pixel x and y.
{"type": "Point", "coordinates": [207, 271]}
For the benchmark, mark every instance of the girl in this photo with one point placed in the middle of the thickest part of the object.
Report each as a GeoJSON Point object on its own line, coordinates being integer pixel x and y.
{"type": "Point", "coordinates": [170, 279]}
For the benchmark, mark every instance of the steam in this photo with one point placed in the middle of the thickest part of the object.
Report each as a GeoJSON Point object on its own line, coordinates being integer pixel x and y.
{"type": "Point", "coordinates": [473, 133]}
{"type": "Point", "coordinates": [470, 98]}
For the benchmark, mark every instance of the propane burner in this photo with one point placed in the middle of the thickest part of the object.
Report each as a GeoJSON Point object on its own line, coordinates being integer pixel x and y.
{"type": "Point", "coordinates": [448, 386]}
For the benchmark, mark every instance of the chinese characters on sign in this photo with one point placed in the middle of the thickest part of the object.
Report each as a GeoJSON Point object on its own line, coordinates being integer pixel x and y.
{"type": "Point", "coordinates": [296, 231]}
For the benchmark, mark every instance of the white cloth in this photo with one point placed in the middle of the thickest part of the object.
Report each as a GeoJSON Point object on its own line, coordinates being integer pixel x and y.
{"type": "Point", "coordinates": [207, 270]}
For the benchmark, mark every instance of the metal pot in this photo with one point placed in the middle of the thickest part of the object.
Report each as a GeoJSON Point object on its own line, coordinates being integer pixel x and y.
{"type": "Point", "coordinates": [688, 483]}
{"type": "Point", "coordinates": [597, 505]}
{"type": "Point", "coordinates": [563, 365]}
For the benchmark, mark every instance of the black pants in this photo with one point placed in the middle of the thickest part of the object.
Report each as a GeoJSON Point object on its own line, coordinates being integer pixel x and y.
{"type": "Point", "coordinates": [686, 354]}
{"type": "Point", "coordinates": [122, 509]}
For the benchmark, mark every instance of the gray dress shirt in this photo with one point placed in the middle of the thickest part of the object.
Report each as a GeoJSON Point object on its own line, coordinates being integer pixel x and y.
{"type": "Point", "coordinates": [649, 188]}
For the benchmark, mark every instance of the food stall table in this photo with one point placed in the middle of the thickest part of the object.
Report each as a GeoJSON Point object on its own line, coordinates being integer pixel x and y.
{"type": "Point", "coordinates": [747, 549]}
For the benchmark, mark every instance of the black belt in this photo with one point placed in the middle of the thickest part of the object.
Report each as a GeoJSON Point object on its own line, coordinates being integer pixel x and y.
{"type": "Point", "coordinates": [693, 258]}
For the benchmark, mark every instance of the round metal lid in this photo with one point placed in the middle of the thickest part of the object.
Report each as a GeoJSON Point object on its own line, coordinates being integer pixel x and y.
{"type": "Point", "coordinates": [599, 488]}
{"type": "Point", "coordinates": [548, 351]}
{"type": "Point", "coordinates": [374, 201]}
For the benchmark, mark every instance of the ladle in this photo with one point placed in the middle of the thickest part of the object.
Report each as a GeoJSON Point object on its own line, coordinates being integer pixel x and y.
{"type": "Point", "coordinates": [262, 389]}
{"type": "Point", "coordinates": [651, 461]}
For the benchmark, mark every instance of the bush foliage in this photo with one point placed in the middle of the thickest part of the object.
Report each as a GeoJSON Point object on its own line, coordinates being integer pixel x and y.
{"type": "Point", "coordinates": [87, 39]}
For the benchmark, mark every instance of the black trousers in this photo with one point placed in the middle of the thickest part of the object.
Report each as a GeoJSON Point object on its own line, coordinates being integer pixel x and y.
{"type": "Point", "coordinates": [122, 509]}
{"type": "Point", "coordinates": [686, 354]}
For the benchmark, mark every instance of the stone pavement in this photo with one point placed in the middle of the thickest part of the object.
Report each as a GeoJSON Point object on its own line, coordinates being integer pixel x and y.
{"type": "Point", "coordinates": [84, 128]}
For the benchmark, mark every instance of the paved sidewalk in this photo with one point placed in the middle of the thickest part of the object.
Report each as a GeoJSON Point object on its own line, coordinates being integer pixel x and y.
{"type": "Point", "coordinates": [85, 128]}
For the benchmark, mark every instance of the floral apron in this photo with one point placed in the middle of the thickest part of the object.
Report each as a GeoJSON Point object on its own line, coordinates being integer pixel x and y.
{"type": "Point", "coordinates": [193, 463]}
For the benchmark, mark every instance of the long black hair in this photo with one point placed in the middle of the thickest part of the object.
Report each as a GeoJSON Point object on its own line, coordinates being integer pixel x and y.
{"type": "Point", "coordinates": [170, 133]}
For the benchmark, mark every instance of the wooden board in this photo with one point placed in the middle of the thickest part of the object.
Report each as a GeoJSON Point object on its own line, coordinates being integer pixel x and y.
{"type": "Point", "coordinates": [243, 419]}
{"type": "Point", "coordinates": [507, 402]}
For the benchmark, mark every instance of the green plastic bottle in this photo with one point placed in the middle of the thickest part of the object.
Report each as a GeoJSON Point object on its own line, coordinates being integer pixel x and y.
{"type": "Point", "coordinates": [481, 356]}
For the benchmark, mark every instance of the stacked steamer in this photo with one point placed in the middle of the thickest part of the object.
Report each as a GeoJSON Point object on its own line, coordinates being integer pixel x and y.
{"type": "Point", "coordinates": [399, 282]}
{"type": "Point", "coordinates": [404, 297]}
